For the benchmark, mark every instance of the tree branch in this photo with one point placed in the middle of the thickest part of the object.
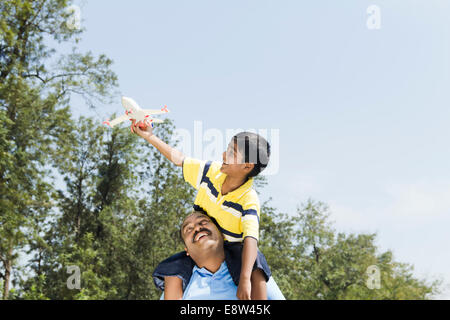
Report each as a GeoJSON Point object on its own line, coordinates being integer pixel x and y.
{"type": "Point", "coordinates": [4, 264]}
{"type": "Point", "coordinates": [316, 253]}
{"type": "Point", "coordinates": [36, 75]}
{"type": "Point", "coordinates": [31, 21]}
{"type": "Point", "coordinates": [45, 81]}
{"type": "Point", "coordinates": [64, 75]}
{"type": "Point", "coordinates": [348, 284]}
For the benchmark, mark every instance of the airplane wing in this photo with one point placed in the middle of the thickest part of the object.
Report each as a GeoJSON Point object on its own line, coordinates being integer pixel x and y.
{"type": "Point", "coordinates": [152, 112]}
{"type": "Point", "coordinates": [118, 120]}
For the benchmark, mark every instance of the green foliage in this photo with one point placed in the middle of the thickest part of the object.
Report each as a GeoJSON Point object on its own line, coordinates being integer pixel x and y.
{"type": "Point", "coordinates": [35, 116]}
{"type": "Point", "coordinates": [121, 203]}
{"type": "Point", "coordinates": [312, 261]}
{"type": "Point", "coordinates": [116, 219]}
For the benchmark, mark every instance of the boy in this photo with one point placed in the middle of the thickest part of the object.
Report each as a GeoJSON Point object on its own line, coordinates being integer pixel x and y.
{"type": "Point", "coordinates": [225, 193]}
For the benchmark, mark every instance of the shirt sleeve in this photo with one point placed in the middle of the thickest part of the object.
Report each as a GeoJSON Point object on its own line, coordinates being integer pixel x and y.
{"type": "Point", "coordinates": [250, 221]}
{"type": "Point", "coordinates": [193, 171]}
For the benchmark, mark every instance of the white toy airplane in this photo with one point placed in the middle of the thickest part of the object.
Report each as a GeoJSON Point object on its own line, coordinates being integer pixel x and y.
{"type": "Point", "coordinates": [133, 111]}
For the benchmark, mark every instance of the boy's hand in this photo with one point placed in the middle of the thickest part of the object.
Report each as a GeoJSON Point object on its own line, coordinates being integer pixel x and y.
{"type": "Point", "coordinates": [244, 290]}
{"type": "Point", "coordinates": [142, 128]}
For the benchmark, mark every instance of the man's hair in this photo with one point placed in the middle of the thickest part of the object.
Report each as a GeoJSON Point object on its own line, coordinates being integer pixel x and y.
{"type": "Point", "coordinates": [255, 149]}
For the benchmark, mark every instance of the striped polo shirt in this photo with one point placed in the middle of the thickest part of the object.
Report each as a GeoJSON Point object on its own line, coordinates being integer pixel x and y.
{"type": "Point", "coordinates": [236, 213]}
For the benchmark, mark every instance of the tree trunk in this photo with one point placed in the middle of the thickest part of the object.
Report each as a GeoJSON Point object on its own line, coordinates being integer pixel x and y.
{"type": "Point", "coordinates": [8, 267]}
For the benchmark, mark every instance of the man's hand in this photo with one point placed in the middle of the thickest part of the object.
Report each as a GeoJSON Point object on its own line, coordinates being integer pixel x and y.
{"type": "Point", "coordinates": [142, 128]}
{"type": "Point", "coordinates": [244, 289]}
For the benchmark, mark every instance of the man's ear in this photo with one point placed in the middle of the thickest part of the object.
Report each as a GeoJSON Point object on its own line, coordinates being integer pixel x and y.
{"type": "Point", "coordinates": [185, 249]}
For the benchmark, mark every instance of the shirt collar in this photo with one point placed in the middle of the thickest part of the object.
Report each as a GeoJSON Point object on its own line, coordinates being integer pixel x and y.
{"type": "Point", "coordinates": [239, 192]}
{"type": "Point", "coordinates": [204, 271]}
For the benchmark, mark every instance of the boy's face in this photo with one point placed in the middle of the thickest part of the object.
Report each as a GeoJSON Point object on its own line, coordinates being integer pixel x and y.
{"type": "Point", "coordinates": [233, 162]}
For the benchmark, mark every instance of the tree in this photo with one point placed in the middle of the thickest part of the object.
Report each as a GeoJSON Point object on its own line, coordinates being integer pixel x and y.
{"type": "Point", "coordinates": [117, 219]}
{"type": "Point", "coordinates": [310, 260]}
{"type": "Point", "coordinates": [34, 111]}
{"type": "Point", "coordinates": [92, 228]}
{"type": "Point", "coordinates": [119, 212]}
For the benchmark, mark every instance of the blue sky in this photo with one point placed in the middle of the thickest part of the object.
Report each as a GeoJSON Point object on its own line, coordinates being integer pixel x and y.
{"type": "Point", "coordinates": [363, 115]}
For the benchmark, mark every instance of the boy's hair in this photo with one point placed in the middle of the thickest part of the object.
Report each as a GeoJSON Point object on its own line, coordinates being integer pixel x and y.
{"type": "Point", "coordinates": [255, 149]}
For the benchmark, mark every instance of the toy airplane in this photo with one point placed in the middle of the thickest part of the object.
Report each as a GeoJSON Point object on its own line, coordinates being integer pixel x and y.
{"type": "Point", "coordinates": [134, 112]}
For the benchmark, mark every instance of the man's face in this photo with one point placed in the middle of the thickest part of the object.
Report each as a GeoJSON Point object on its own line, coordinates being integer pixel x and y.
{"type": "Point", "coordinates": [234, 162]}
{"type": "Point", "coordinates": [199, 234]}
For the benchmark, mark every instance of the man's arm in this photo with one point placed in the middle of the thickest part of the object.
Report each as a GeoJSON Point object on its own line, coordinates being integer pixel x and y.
{"type": "Point", "coordinates": [249, 253]}
{"type": "Point", "coordinates": [145, 131]}
{"type": "Point", "coordinates": [173, 288]}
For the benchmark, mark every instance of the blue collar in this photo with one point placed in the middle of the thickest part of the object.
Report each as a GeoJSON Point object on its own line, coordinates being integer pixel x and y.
{"type": "Point", "coordinates": [206, 272]}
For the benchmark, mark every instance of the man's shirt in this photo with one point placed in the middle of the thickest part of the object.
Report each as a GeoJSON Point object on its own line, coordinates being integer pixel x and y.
{"type": "Point", "coordinates": [205, 285]}
{"type": "Point", "coordinates": [237, 213]}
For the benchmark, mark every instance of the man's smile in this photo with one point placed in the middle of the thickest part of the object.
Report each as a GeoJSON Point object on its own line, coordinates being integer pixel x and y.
{"type": "Point", "coordinates": [201, 234]}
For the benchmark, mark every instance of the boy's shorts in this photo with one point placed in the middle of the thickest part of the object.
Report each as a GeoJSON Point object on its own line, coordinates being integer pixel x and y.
{"type": "Point", "coordinates": [181, 265]}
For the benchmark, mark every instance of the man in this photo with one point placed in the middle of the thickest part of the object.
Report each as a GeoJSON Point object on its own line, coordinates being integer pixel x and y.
{"type": "Point", "coordinates": [215, 267]}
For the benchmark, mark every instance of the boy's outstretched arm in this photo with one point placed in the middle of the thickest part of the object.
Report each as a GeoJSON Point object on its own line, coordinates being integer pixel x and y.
{"type": "Point", "coordinates": [249, 254]}
{"type": "Point", "coordinates": [145, 131]}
